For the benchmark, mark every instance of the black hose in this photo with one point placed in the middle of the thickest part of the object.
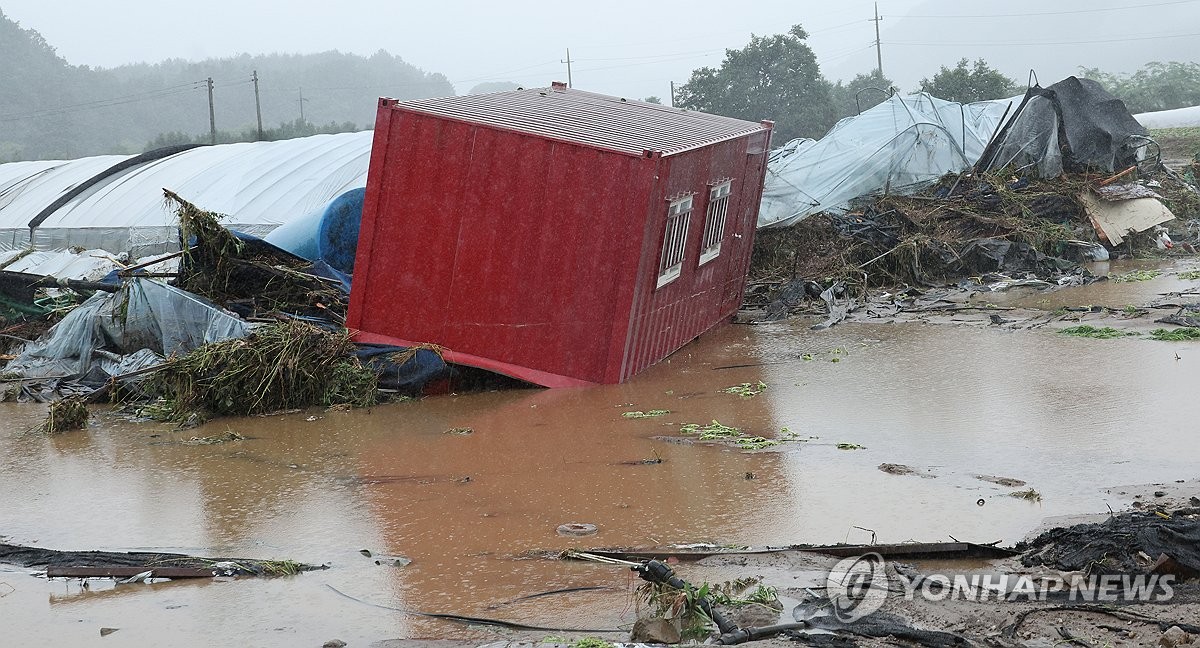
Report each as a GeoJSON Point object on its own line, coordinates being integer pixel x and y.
{"type": "Point", "coordinates": [742, 635]}
{"type": "Point", "coordinates": [656, 571]}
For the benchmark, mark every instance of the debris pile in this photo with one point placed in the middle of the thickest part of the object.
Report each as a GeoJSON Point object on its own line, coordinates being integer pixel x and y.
{"type": "Point", "coordinates": [1134, 542]}
{"type": "Point", "coordinates": [142, 565]}
{"type": "Point", "coordinates": [283, 365]}
{"type": "Point", "coordinates": [247, 275]}
{"type": "Point", "coordinates": [962, 225]}
{"type": "Point", "coordinates": [247, 328]}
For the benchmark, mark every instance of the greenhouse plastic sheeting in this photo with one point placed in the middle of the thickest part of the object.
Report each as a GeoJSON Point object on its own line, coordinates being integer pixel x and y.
{"type": "Point", "coordinates": [88, 265]}
{"type": "Point", "coordinates": [1101, 134]}
{"type": "Point", "coordinates": [899, 146]}
{"type": "Point", "coordinates": [143, 316]}
{"type": "Point", "coordinates": [259, 185]}
{"type": "Point", "coordinates": [1175, 118]}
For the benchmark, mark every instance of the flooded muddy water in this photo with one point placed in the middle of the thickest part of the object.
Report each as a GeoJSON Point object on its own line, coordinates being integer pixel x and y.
{"type": "Point", "coordinates": [477, 512]}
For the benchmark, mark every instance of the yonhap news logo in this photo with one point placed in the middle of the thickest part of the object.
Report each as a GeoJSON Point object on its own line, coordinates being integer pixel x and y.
{"type": "Point", "coordinates": [860, 585]}
{"type": "Point", "coordinates": [857, 586]}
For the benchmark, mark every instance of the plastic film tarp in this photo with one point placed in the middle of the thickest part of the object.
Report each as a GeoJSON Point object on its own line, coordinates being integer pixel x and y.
{"type": "Point", "coordinates": [898, 146]}
{"type": "Point", "coordinates": [1100, 133]}
{"type": "Point", "coordinates": [112, 333]}
{"type": "Point", "coordinates": [260, 185]}
{"type": "Point", "coordinates": [1175, 118]}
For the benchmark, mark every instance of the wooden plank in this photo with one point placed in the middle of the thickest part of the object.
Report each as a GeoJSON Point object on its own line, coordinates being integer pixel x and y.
{"type": "Point", "coordinates": [127, 572]}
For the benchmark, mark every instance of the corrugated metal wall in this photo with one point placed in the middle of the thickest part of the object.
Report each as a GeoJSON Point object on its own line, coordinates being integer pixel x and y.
{"type": "Point", "coordinates": [664, 319]}
{"type": "Point", "coordinates": [499, 245]}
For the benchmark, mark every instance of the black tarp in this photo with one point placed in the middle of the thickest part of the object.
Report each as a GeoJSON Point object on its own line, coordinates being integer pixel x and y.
{"type": "Point", "coordinates": [1073, 125]}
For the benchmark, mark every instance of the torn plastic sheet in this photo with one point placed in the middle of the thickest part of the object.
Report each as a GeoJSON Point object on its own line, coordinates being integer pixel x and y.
{"type": "Point", "coordinates": [1099, 131]}
{"type": "Point", "coordinates": [899, 146]}
{"type": "Point", "coordinates": [112, 334]}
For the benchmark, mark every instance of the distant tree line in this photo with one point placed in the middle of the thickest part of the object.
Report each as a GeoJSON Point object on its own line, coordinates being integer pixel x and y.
{"type": "Point", "coordinates": [286, 130]}
{"type": "Point", "coordinates": [50, 109]}
{"type": "Point", "coordinates": [1157, 86]}
{"type": "Point", "coordinates": [778, 78]}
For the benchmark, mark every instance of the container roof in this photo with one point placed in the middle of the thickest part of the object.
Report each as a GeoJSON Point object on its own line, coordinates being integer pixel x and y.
{"type": "Point", "coordinates": [596, 120]}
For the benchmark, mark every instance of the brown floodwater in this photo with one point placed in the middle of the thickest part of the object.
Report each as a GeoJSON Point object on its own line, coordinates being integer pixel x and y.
{"type": "Point", "coordinates": [476, 513]}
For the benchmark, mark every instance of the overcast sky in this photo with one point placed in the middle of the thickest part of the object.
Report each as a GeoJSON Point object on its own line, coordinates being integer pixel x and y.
{"type": "Point", "coordinates": [624, 47]}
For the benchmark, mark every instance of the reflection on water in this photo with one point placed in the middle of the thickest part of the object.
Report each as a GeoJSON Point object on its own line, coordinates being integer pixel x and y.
{"type": "Point", "coordinates": [1067, 415]}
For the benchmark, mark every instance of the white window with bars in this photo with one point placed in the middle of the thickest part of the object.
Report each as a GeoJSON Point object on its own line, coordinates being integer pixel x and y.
{"type": "Point", "coordinates": [670, 263]}
{"type": "Point", "coordinates": [714, 221]}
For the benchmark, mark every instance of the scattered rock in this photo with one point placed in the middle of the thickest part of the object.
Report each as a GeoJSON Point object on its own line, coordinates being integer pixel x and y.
{"type": "Point", "coordinates": [654, 631]}
{"type": "Point", "coordinates": [1173, 637]}
{"type": "Point", "coordinates": [104, 632]}
{"type": "Point", "coordinates": [896, 469]}
{"type": "Point", "coordinates": [1160, 493]}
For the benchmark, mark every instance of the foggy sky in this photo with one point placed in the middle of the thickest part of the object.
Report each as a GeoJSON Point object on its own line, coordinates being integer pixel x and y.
{"type": "Point", "coordinates": [620, 47]}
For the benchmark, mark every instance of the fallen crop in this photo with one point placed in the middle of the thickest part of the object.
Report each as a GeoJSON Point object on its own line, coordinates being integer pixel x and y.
{"type": "Point", "coordinates": [1136, 275]}
{"type": "Point", "coordinates": [647, 414]}
{"type": "Point", "coordinates": [283, 365]}
{"type": "Point", "coordinates": [1175, 335]}
{"type": "Point", "coordinates": [746, 390]}
{"type": "Point", "coordinates": [1099, 333]}
{"type": "Point", "coordinates": [66, 414]}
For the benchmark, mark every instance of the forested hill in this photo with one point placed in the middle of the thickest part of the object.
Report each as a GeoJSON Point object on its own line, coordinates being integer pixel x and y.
{"type": "Point", "coordinates": [50, 109]}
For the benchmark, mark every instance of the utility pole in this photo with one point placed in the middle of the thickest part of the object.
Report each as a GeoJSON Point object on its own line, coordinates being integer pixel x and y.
{"type": "Point", "coordinates": [302, 100]}
{"type": "Point", "coordinates": [568, 62]}
{"type": "Point", "coordinates": [878, 48]}
{"type": "Point", "coordinates": [212, 116]}
{"type": "Point", "coordinates": [257, 105]}
{"type": "Point", "coordinates": [672, 94]}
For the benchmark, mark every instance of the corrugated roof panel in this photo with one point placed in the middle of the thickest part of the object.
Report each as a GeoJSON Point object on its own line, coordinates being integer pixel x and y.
{"type": "Point", "coordinates": [590, 119]}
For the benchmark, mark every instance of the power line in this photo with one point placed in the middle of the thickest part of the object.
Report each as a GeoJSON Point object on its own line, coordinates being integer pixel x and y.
{"type": "Point", "coordinates": [652, 56]}
{"type": "Point", "coordinates": [1059, 13]}
{"type": "Point", "coordinates": [106, 103]}
{"type": "Point", "coordinates": [1018, 43]}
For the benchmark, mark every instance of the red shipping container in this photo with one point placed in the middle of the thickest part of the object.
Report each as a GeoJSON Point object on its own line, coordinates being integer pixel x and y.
{"type": "Point", "coordinates": [557, 236]}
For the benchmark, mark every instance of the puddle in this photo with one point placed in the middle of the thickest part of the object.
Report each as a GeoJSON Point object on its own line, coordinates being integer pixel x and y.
{"type": "Point", "coordinates": [1113, 294]}
{"type": "Point", "coordinates": [1069, 416]}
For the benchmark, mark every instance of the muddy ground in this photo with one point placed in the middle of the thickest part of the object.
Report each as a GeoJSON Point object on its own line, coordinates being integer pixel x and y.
{"type": "Point", "coordinates": [955, 407]}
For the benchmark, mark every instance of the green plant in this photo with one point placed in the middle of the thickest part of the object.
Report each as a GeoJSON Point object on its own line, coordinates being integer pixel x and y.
{"type": "Point", "coordinates": [1136, 275]}
{"type": "Point", "coordinates": [592, 642]}
{"type": "Point", "coordinates": [850, 446]}
{"type": "Point", "coordinates": [1189, 275]}
{"type": "Point", "coordinates": [746, 390]}
{"type": "Point", "coordinates": [763, 595]}
{"type": "Point", "coordinates": [1099, 333]}
{"type": "Point", "coordinates": [682, 605]}
{"type": "Point", "coordinates": [649, 414]}
{"type": "Point", "coordinates": [1175, 335]}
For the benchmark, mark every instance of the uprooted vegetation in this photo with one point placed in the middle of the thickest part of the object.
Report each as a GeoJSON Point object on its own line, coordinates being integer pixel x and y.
{"type": "Point", "coordinates": [283, 365]}
{"type": "Point", "coordinates": [927, 237]}
{"type": "Point", "coordinates": [962, 226]}
{"type": "Point", "coordinates": [245, 275]}
{"type": "Point", "coordinates": [66, 414]}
